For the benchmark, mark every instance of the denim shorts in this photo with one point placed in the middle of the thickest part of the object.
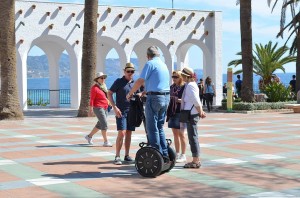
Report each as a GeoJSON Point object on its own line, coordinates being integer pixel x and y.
{"type": "Point", "coordinates": [122, 122]}
{"type": "Point", "coordinates": [174, 121]}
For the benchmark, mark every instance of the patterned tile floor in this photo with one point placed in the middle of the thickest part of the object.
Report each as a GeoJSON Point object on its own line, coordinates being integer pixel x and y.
{"type": "Point", "coordinates": [243, 155]}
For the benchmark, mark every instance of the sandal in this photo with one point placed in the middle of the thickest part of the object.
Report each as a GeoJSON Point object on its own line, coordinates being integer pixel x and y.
{"type": "Point", "coordinates": [192, 165]}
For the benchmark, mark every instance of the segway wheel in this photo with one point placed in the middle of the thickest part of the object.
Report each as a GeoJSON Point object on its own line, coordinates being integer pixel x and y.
{"type": "Point", "coordinates": [172, 156]}
{"type": "Point", "coordinates": [148, 162]}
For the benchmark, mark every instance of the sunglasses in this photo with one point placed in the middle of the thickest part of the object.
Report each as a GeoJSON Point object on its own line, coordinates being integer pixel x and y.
{"type": "Point", "coordinates": [175, 77]}
{"type": "Point", "coordinates": [102, 78]}
{"type": "Point", "coordinates": [130, 71]}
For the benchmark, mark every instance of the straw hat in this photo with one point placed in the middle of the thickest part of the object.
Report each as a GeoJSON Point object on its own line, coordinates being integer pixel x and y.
{"type": "Point", "coordinates": [129, 66]}
{"type": "Point", "coordinates": [99, 74]}
{"type": "Point", "coordinates": [187, 71]}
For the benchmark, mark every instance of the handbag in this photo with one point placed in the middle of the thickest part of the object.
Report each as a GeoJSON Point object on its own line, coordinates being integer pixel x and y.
{"type": "Point", "coordinates": [185, 115]}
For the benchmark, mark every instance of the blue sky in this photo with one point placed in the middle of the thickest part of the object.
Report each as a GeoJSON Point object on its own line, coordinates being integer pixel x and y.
{"type": "Point", "coordinates": [265, 24]}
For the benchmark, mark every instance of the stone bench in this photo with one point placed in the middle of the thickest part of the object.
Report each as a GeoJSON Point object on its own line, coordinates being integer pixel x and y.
{"type": "Point", "coordinates": [295, 107]}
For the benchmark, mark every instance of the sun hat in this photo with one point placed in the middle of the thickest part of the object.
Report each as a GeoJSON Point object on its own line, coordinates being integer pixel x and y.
{"type": "Point", "coordinates": [187, 71]}
{"type": "Point", "coordinates": [99, 74]}
{"type": "Point", "coordinates": [129, 66]}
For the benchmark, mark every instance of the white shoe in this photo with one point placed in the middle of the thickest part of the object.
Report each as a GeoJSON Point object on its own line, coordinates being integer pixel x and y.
{"type": "Point", "coordinates": [107, 144]}
{"type": "Point", "coordinates": [181, 158]}
{"type": "Point", "coordinates": [90, 140]}
{"type": "Point", "coordinates": [118, 161]}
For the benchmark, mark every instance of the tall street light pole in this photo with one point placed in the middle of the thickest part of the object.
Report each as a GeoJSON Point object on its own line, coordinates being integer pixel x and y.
{"type": "Point", "coordinates": [172, 4]}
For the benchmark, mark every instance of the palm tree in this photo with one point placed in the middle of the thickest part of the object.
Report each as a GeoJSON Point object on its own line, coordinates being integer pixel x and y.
{"type": "Point", "coordinates": [89, 54]}
{"type": "Point", "coordinates": [247, 93]}
{"type": "Point", "coordinates": [294, 27]}
{"type": "Point", "coordinates": [10, 107]}
{"type": "Point", "coordinates": [266, 60]}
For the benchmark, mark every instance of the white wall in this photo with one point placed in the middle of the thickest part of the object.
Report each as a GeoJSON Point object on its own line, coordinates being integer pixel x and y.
{"type": "Point", "coordinates": [170, 33]}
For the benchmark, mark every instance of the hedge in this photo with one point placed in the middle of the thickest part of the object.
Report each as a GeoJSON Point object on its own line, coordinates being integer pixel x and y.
{"type": "Point", "coordinates": [244, 106]}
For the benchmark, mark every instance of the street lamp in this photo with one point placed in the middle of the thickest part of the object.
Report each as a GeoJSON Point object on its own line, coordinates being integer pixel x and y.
{"type": "Point", "coordinates": [172, 4]}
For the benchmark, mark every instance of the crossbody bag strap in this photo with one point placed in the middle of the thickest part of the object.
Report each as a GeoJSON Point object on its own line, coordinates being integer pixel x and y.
{"type": "Point", "coordinates": [191, 108]}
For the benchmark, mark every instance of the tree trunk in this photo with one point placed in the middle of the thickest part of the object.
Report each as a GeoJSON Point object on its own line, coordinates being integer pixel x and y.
{"type": "Point", "coordinates": [89, 55]}
{"type": "Point", "coordinates": [246, 45]}
{"type": "Point", "coordinates": [298, 62]}
{"type": "Point", "coordinates": [9, 99]}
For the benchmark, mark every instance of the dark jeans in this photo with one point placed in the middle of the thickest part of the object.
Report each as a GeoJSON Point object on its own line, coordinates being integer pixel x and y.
{"type": "Point", "coordinates": [156, 107]}
{"type": "Point", "coordinates": [193, 135]}
{"type": "Point", "coordinates": [209, 101]}
{"type": "Point", "coordinates": [202, 99]}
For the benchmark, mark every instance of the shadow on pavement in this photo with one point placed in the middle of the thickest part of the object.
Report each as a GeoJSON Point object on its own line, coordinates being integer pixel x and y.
{"type": "Point", "coordinates": [50, 113]}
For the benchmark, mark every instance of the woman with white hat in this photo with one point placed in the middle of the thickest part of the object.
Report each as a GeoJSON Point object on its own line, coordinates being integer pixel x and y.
{"type": "Point", "coordinates": [191, 101]}
{"type": "Point", "coordinates": [98, 105]}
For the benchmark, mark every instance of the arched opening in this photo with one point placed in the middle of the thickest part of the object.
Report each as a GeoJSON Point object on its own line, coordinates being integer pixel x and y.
{"type": "Point", "coordinates": [39, 87]}
{"type": "Point", "coordinates": [195, 54]}
{"type": "Point", "coordinates": [195, 60]}
{"type": "Point", "coordinates": [111, 58]}
{"type": "Point", "coordinates": [58, 84]}
{"type": "Point", "coordinates": [140, 53]}
{"type": "Point", "coordinates": [37, 78]}
{"type": "Point", "coordinates": [64, 80]}
{"type": "Point", "coordinates": [112, 67]}
{"type": "Point", "coordinates": [135, 61]}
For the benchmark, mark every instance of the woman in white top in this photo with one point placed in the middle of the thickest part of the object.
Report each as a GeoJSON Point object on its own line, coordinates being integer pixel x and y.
{"type": "Point", "coordinates": [191, 101]}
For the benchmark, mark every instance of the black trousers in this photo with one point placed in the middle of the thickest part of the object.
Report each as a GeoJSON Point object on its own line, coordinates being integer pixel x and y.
{"type": "Point", "coordinates": [209, 101]}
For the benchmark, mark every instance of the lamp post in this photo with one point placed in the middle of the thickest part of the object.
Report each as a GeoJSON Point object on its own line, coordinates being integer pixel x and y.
{"type": "Point", "coordinates": [172, 4]}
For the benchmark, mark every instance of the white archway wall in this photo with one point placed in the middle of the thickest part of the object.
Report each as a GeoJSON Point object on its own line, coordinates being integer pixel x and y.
{"type": "Point", "coordinates": [125, 28]}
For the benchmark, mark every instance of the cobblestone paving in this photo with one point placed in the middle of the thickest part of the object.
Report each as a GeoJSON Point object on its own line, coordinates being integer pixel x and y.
{"type": "Point", "coordinates": [243, 155]}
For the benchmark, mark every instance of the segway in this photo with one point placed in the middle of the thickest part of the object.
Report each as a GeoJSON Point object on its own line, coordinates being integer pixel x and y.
{"type": "Point", "coordinates": [149, 162]}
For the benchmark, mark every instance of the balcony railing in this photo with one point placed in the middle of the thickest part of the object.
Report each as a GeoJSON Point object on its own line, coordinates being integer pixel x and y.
{"type": "Point", "coordinates": [41, 97]}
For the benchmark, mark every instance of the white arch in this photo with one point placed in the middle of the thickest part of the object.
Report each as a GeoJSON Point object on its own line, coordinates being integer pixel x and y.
{"type": "Point", "coordinates": [183, 48]}
{"type": "Point", "coordinates": [105, 44]}
{"type": "Point", "coordinates": [140, 48]}
{"type": "Point", "coordinates": [53, 46]}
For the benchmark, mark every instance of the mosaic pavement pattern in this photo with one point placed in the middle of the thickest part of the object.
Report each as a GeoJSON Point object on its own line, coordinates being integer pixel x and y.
{"type": "Point", "coordinates": [243, 155]}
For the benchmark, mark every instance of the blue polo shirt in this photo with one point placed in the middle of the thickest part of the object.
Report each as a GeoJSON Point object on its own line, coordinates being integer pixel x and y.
{"type": "Point", "coordinates": [122, 87]}
{"type": "Point", "coordinates": [156, 76]}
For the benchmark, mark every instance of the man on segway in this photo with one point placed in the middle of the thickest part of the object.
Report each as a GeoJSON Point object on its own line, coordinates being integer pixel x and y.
{"type": "Point", "coordinates": [155, 76]}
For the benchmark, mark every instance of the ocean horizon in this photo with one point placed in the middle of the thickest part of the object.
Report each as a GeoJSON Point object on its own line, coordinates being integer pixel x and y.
{"type": "Point", "coordinates": [64, 83]}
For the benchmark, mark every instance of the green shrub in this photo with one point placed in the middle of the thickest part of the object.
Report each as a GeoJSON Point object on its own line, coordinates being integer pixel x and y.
{"type": "Point", "coordinates": [277, 92]}
{"type": "Point", "coordinates": [29, 102]}
{"type": "Point", "coordinates": [42, 103]}
{"type": "Point", "coordinates": [243, 106]}
{"type": "Point", "coordinates": [238, 100]}
{"type": "Point", "coordinates": [261, 106]}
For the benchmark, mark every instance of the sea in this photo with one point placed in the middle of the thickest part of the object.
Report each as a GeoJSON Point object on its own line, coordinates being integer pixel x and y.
{"type": "Point", "coordinates": [64, 83]}
{"type": "Point", "coordinates": [38, 88]}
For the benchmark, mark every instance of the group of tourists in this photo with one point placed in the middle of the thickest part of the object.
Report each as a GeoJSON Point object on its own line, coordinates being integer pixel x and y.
{"type": "Point", "coordinates": [163, 103]}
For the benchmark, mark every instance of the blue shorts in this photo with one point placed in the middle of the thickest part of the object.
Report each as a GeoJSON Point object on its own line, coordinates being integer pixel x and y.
{"type": "Point", "coordinates": [122, 122]}
{"type": "Point", "coordinates": [174, 122]}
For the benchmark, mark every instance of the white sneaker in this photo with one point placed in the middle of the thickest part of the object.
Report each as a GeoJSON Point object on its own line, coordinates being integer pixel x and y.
{"type": "Point", "coordinates": [118, 161]}
{"type": "Point", "coordinates": [107, 144]}
{"type": "Point", "coordinates": [181, 158]}
{"type": "Point", "coordinates": [90, 141]}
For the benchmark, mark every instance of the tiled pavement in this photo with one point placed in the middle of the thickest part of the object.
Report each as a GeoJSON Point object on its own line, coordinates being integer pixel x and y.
{"type": "Point", "coordinates": [243, 155]}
